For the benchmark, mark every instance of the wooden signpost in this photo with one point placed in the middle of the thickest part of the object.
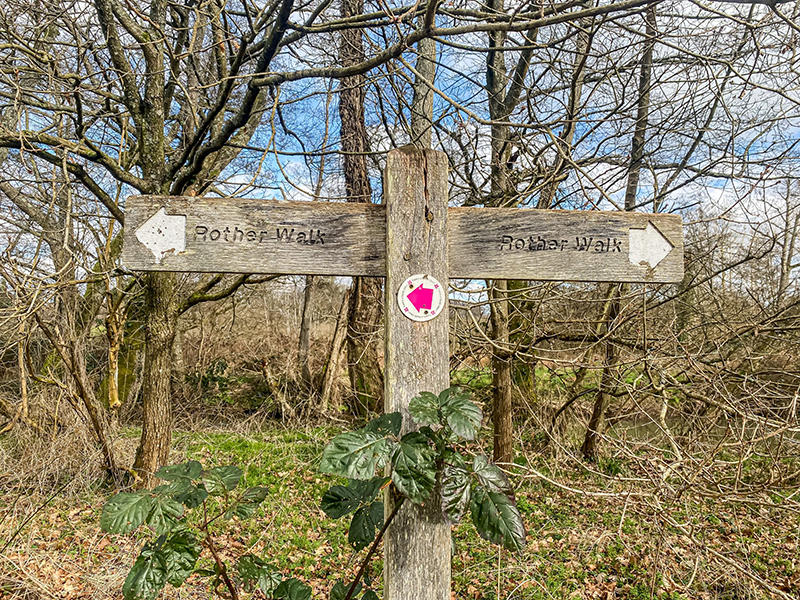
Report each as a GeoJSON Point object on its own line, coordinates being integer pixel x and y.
{"type": "Point", "coordinates": [417, 243]}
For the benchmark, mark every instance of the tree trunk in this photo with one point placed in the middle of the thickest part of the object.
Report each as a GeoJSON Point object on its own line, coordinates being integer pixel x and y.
{"type": "Point", "coordinates": [363, 338]}
{"type": "Point", "coordinates": [501, 378]}
{"type": "Point", "coordinates": [334, 366]}
{"type": "Point", "coordinates": [113, 375]}
{"type": "Point", "coordinates": [305, 333]}
{"type": "Point", "coordinates": [502, 192]}
{"type": "Point", "coordinates": [422, 103]}
{"type": "Point", "coordinates": [160, 325]}
{"type": "Point", "coordinates": [791, 224]}
{"type": "Point", "coordinates": [366, 314]}
{"type": "Point", "coordinates": [22, 411]}
{"type": "Point", "coordinates": [608, 382]}
{"type": "Point", "coordinates": [642, 112]}
{"type": "Point", "coordinates": [96, 413]}
{"type": "Point", "coordinates": [135, 377]}
{"type": "Point", "coordinates": [597, 422]}
{"type": "Point", "coordinates": [583, 42]}
{"type": "Point", "coordinates": [115, 328]}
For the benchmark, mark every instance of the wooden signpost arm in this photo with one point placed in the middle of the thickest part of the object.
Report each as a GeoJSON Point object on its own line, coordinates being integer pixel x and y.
{"type": "Point", "coordinates": [417, 543]}
{"type": "Point", "coordinates": [240, 235]}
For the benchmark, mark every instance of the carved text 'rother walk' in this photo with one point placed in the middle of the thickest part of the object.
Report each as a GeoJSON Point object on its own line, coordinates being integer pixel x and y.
{"type": "Point", "coordinates": [236, 235]}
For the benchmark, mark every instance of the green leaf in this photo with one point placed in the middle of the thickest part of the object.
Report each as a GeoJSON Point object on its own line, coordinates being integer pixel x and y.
{"type": "Point", "coordinates": [341, 500]}
{"type": "Point", "coordinates": [462, 414]}
{"type": "Point", "coordinates": [414, 467]}
{"type": "Point", "coordinates": [455, 487]}
{"type": "Point", "coordinates": [193, 496]}
{"type": "Point", "coordinates": [221, 479]}
{"type": "Point", "coordinates": [189, 470]}
{"type": "Point", "coordinates": [125, 511]}
{"type": "Point", "coordinates": [362, 530]}
{"type": "Point", "coordinates": [497, 519]}
{"type": "Point", "coordinates": [253, 569]}
{"type": "Point", "coordinates": [164, 515]}
{"type": "Point", "coordinates": [248, 503]}
{"type": "Point", "coordinates": [356, 454]}
{"type": "Point", "coordinates": [292, 589]}
{"type": "Point", "coordinates": [431, 434]}
{"type": "Point", "coordinates": [376, 513]}
{"type": "Point", "coordinates": [173, 488]}
{"type": "Point", "coordinates": [243, 510]}
{"type": "Point", "coordinates": [180, 554]}
{"type": "Point", "coordinates": [363, 525]}
{"type": "Point", "coordinates": [491, 477]}
{"type": "Point", "coordinates": [368, 490]}
{"type": "Point", "coordinates": [370, 595]}
{"type": "Point", "coordinates": [388, 424]}
{"type": "Point", "coordinates": [248, 570]}
{"type": "Point", "coordinates": [147, 577]}
{"type": "Point", "coordinates": [269, 580]}
{"type": "Point", "coordinates": [424, 409]}
{"type": "Point", "coordinates": [255, 495]}
{"type": "Point", "coordinates": [340, 589]}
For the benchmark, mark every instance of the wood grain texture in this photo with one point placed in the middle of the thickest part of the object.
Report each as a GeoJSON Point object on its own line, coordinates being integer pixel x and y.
{"type": "Point", "coordinates": [557, 245]}
{"type": "Point", "coordinates": [263, 236]}
{"type": "Point", "coordinates": [348, 239]}
{"type": "Point", "coordinates": [417, 544]}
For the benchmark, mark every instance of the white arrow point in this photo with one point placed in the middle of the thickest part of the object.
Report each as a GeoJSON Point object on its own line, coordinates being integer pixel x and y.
{"type": "Point", "coordinates": [163, 234]}
{"type": "Point", "coordinates": [648, 246]}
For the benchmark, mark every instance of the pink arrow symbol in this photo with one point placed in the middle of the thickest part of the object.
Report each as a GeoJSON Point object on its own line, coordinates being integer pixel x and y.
{"type": "Point", "coordinates": [421, 297]}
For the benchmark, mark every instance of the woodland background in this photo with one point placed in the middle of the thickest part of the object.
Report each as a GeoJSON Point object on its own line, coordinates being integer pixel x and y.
{"type": "Point", "coordinates": [651, 430]}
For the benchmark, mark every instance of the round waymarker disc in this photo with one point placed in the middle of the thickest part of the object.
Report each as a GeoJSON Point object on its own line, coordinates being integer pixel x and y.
{"type": "Point", "coordinates": [421, 297]}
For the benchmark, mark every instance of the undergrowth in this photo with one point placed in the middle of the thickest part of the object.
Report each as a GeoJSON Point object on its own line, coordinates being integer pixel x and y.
{"type": "Point", "coordinates": [580, 546]}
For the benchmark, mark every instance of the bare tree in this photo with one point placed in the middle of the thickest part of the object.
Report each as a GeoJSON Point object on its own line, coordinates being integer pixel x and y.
{"type": "Point", "coordinates": [366, 295]}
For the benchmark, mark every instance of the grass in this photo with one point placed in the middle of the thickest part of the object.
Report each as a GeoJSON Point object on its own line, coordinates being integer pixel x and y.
{"type": "Point", "coordinates": [471, 378]}
{"type": "Point", "coordinates": [545, 378]}
{"type": "Point", "coordinates": [578, 546]}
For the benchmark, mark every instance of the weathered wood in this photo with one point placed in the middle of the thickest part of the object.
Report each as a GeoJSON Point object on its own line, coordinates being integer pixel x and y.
{"type": "Point", "coordinates": [559, 245]}
{"type": "Point", "coordinates": [325, 238]}
{"type": "Point", "coordinates": [417, 544]}
{"type": "Point", "coordinates": [262, 236]}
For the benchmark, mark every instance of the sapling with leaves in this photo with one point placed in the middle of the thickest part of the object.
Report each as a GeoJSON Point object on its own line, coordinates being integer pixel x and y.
{"type": "Point", "coordinates": [416, 461]}
{"type": "Point", "coordinates": [177, 541]}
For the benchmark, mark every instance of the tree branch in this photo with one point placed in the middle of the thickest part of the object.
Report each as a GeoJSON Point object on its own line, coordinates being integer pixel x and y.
{"type": "Point", "coordinates": [203, 295]}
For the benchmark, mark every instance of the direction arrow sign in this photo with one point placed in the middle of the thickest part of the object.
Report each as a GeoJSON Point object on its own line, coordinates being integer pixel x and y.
{"type": "Point", "coordinates": [328, 238]}
{"type": "Point", "coordinates": [163, 234]}
{"type": "Point", "coordinates": [421, 297]}
{"type": "Point", "coordinates": [648, 246]}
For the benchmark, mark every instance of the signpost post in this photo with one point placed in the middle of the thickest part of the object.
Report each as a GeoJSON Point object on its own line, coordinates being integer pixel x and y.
{"type": "Point", "coordinates": [418, 244]}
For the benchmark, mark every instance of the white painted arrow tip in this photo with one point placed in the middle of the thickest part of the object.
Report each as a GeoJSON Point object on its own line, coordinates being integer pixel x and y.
{"type": "Point", "coordinates": [163, 234]}
{"type": "Point", "coordinates": [648, 247]}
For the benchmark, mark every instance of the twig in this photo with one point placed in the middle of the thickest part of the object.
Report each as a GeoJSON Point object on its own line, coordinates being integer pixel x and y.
{"type": "Point", "coordinates": [372, 549]}
{"type": "Point", "coordinates": [41, 507]}
{"type": "Point", "coordinates": [728, 561]}
{"type": "Point", "coordinates": [223, 571]}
